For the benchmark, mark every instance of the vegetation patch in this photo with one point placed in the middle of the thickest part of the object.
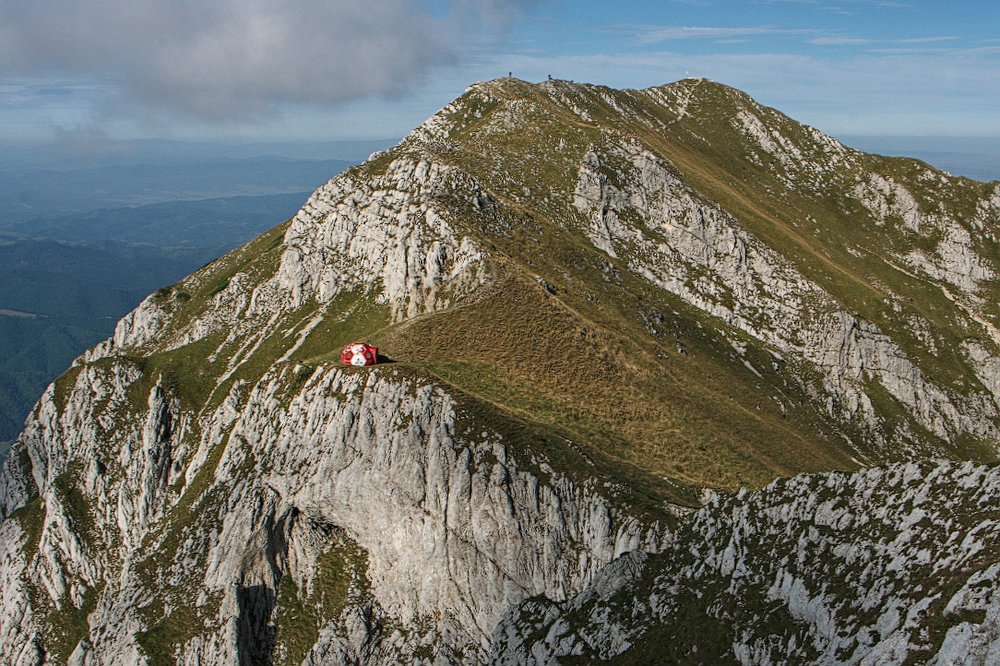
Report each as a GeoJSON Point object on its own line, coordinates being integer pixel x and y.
{"type": "Point", "coordinates": [186, 374]}
{"type": "Point", "coordinates": [219, 286]}
{"type": "Point", "coordinates": [64, 386]}
{"type": "Point", "coordinates": [31, 518]}
{"type": "Point", "coordinates": [341, 574]}
{"type": "Point", "coordinates": [583, 362]}
{"type": "Point", "coordinates": [349, 317]}
{"type": "Point", "coordinates": [163, 636]}
{"type": "Point", "coordinates": [75, 503]}
{"type": "Point", "coordinates": [66, 624]}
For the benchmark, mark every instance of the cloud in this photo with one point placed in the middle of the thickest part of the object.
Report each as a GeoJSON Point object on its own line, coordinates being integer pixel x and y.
{"type": "Point", "coordinates": [237, 59]}
{"type": "Point", "coordinates": [672, 33]}
{"type": "Point", "coordinates": [838, 41]}
{"type": "Point", "coordinates": [926, 40]}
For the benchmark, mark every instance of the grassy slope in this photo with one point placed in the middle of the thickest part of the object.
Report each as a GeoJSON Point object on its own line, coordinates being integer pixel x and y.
{"type": "Point", "coordinates": [676, 403]}
{"type": "Point", "coordinates": [705, 418]}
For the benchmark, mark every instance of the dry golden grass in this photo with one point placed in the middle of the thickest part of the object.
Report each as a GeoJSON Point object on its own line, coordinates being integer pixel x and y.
{"type": "Point", "coordinates": [692, 418]}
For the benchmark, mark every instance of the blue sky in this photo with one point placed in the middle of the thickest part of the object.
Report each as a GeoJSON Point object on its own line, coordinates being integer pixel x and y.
{"type": "Point", "coordinates": [279, 70]}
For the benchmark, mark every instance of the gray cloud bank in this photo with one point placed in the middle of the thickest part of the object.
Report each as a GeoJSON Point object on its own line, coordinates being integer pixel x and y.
{"type": "Point", "coordinates": [220, 59]}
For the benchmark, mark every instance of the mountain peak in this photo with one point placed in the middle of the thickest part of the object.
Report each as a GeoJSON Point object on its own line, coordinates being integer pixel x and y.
{"type": "Point", "coordinates": [690, 110]}
{"type": "Point", "coordinates": [574, 96]}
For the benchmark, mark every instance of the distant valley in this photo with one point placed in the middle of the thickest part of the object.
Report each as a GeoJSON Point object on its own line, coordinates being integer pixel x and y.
{"type": "Point", "coordinates": [69, 274]}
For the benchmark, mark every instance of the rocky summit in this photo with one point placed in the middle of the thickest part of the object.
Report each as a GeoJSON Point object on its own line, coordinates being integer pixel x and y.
{"type": "Point", "coordinates": [673, 379]}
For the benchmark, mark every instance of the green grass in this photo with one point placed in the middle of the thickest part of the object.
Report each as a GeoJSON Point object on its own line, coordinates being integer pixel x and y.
{"type": "Point", "coordinates": [73, 622]}
{"type": "Point", "coordinates": [75, 503]}
{"type": "Point", "coordinates": [31, 517]}
{"type": "Point", "coordinates": [64, 387]}
{"type": "Point", "coordinates": [341, 573]}
{"type": "Point", "coordinates": [65, 623]}
{"type": "Point", "coordinates": [349, 317]}
{"type": "Point", "coordinates": [219, 286]}
{"type": "Point", "coordinates": [166, 632]}
{"type": "Point", "coordinates": [159, 642]}
{"type": "Point", "coordinates": [186, 373]}
{"type": "Point", "coordinates": [297, 627]}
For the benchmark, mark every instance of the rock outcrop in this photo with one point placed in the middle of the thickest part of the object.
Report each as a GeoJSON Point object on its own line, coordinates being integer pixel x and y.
{"type": "Point", "coordinates": [434, 522]}
{"type": "Point", "coordinates": [890, 565]}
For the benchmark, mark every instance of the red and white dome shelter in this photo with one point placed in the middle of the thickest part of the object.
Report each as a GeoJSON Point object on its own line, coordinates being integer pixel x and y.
{"type": "Point", "coordinates": [359, 354]}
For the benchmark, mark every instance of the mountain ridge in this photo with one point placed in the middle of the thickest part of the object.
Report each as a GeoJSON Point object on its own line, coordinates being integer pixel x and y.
{"type": "Point", "coordinates": [601, 305]}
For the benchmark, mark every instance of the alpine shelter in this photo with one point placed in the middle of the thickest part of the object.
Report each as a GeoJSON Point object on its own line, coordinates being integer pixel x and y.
{"type": "Point", "coordinates": [359, 354]}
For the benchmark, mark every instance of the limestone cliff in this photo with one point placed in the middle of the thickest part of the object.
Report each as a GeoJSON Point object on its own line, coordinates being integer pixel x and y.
{"type": "Point", "coordinates": [890, 565]}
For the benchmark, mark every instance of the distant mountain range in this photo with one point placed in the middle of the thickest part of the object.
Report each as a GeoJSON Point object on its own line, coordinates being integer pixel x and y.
{"type": "Point", "coordinates": [203, 223]}
{"type": "Point", "coordinates": [28, 194]}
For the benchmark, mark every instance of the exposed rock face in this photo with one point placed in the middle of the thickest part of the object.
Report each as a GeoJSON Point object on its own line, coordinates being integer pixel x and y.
{"type": "Point", "coordinates": [354, 234]}
{"type": "Point", "coordinates": [444, 525]}
{"type": "Point", "coordinates": [890, 565]}
{"type": "Point", "coordinates": [208, 486]}
{"type": "Point", "coordinates": [694, 249]}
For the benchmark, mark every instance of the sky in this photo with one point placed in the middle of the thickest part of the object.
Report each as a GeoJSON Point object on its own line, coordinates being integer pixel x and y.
{"type": "Point", "coordinates": [85, 72]}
